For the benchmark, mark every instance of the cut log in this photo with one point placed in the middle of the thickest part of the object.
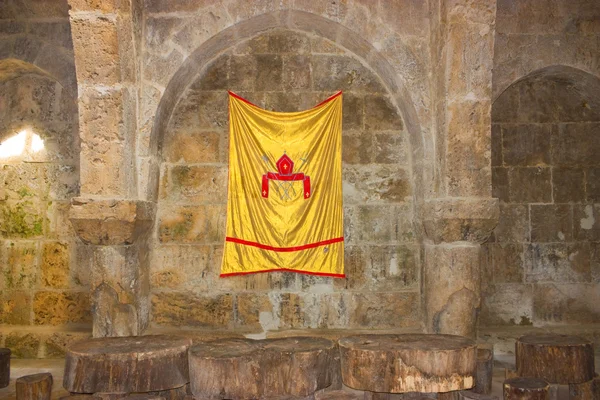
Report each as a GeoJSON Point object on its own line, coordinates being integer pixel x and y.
{"type": "Point", "coordinates": [408, 363]}
{"type": "Point", "coordinates": [448, 395]}
{"type": "Point", "coordinates": [470, 395]}
{"type": "Point", "coordinates": [127, 364]}
{"type": "Point", "coordinates": [338, 395]}
{"type": "Point", "coordinates": [589, 390]}
{"type": "Point", "coordinates": [525, 389]}
{"type": "Point", "coordinates": [485, 371]}
{"type": "Point", "coordinates": [559, 359]}
{"type": "Point", "coordinates": [171, 394]}
{"type": "Point", "coordinates": [250, 369]}
{"type": "Point", "coordinates": [558, 392]}
{"type": "Point", "coordinates": [81, 397]}
{"type": "Point", "coordinates": [4, 367]}
{"type": "Point", "coordinates": [34, 387]}
{"type": "Point", "coordinates": [143, 396]}
{"type": "Point", "coordinates": [110, 396]}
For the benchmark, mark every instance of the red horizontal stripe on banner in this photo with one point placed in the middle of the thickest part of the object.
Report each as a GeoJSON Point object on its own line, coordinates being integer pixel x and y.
{"type": "Point", "coordinates": [284, 249]}
{"type": "Point", "coordinates": [284, 270]}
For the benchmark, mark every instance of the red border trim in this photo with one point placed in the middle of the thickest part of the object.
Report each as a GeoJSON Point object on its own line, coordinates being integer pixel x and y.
{"type": "Point", "coordinates": [237, 96]}
{"type": "Point", "coordinates": [284, 249]}
{"type": "Point", "coordinates": [283, 270]}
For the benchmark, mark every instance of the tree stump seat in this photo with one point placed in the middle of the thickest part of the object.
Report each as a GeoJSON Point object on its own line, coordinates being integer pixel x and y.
{"type": "Point", "coordinates": [34, 387]}
{"type": "Point", "coordinates": [408, 363]}
{"type": "Point", "coordinates": [127, 364]}
{"type": "Point", "coordinates": [558, 359]}
{"type": "Point", "coordinates": [526, 389]}
{"type": "Point", "coordinates": [485, 371]}
{"type": "Point", "coordinates": [470, 395]}
{"type": "Point", "coordinates": [4, 367]}
{"type": "Point", "coordinates": [256, 369]}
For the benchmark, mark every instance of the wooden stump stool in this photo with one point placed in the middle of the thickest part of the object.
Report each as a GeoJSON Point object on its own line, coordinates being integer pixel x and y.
{"type": "Point", "coordinates": [4, 367]}
{"type": "Point", "coordinates": [470, 395]}
{"type": "Point", "coordinates": [485, 371]}
{"type": "Point", "coordinates": [251, 369]}
{"type": "Point", "coordinates": [34, 387]}
{"type": "Point", "coordinates": [408, 363]}
{"type": "Point", "coordinates": [558, 359]}
{"type": "Point", "coordinates": [338, 395]}
{"type": "Point", "coordinates": [525, 389]}
{"type": "Point", "coordinates": [127, 364]}
{"type": "Point", "coordinates": [81, 397]}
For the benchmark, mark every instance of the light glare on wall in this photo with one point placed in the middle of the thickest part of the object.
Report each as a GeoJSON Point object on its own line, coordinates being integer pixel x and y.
{"type": "Point", "coordinates": [16, 145]}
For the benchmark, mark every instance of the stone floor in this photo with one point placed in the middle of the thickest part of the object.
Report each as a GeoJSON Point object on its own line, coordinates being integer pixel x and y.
{"type": "Point", "coordinates": [56, 367]}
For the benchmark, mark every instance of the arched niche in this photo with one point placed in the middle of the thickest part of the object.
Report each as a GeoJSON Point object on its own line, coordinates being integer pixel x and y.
{"type": "Point", "coordinates": [543, 255]}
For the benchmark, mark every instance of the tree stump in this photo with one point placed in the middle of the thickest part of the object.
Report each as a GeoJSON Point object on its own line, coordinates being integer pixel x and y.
{"type": "Point", "coordinates": [589, 390]}
{"type": "Point", "coordinates": [525, 389]}
{"type": "Point", "coordinates": [4, 367]}
{"type": "Point", "coordinates": [127, 364]}
{"type": "Point", "coordinates": [485, 371]}
{"type": "Point", "coordinates": [250, 369]}
{"type": "Point", "coordinates": [143, 396]}
{"type": "Point", "coordinates": [408, 363]}
{"type": "Point", "coordinates": [338, 395]}
{"type": "Point", "coordinates": [34, 387]}
{"type": "Point", "coordinates": [557, 359]}
{"type": "Point", "coordinates": [470, 395]}
{"type": "Point", "coordinates": [81, 397]}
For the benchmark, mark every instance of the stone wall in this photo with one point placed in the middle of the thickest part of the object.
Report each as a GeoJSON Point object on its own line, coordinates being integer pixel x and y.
{"type": "Point", "coordinates": [284, 70]}
{"type": "Point", "coordinates": [542, 264]}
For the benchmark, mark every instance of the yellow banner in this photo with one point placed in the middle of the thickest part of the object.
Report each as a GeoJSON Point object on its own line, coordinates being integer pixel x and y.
{"type": "Point", "coordinates": [284, 203]}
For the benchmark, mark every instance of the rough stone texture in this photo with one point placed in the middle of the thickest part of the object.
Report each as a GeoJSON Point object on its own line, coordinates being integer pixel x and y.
{"type": "Point", "coordinates": [541, 256]}
{"type": "Point", "coordinates": [285, 70]}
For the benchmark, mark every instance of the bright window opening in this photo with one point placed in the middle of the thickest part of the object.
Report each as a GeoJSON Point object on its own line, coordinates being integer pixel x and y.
{"type": "Point", "coordinates": [24, 141]}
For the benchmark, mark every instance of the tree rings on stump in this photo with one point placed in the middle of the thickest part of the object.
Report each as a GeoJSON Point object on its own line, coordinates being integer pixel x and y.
{"type": "Point", "coordinates": [4, 367]}
{"type": "Point", "coordinates": [127, 364]}
{"type": "Point", "coordinates": [525, 389]}
{"type": "Point", "coordinates": [251, 369]}
{"type": "Point", "coordinates": [558, 359]}
{"type": "Point", "coordinates": [408, 363]}
{"type": "Point", "coordinates": [34, 387]}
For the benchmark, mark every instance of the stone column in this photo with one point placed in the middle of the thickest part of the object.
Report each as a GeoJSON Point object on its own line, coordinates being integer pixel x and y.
{"type": "Point", "coordinates": [111, 223]}
{"type": "Point", "coordinates": [463, 214]}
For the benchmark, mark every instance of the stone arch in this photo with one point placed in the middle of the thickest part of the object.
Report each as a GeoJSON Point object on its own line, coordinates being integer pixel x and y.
{"type": "Point", "coordinates": [303, 22]}
{"type": "Point", "coordinates": [53, 60]}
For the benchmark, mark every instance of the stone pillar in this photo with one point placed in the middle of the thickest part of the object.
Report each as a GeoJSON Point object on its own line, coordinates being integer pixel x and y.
{"type": "Point", "coordinates": [463, 214]}
{"type": "Point", "coordinates": [108, 218]}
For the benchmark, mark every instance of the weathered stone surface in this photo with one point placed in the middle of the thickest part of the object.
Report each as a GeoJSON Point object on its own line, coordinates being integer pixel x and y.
{"type": "Point", "coordinates": [57, 343]}
{"type": "Point", "coordinates": [507, 304]}
{"type": "Point", "coordinates": [104, 222]}
{"type": "Point", "coordinates": [198, 147]}
{"type": "Point", "coordinates": [586, 222]}
{"type": "Point", "coordinates": [179, 309]}
{"type": "Point", "coordinates": [566, 303]}
{"type": "Point", "coordinates": [508, 262]}
{"type": "Point", "coordinates": [16, 308]}
{"type": "Point", "coordinates": [385, 310]}
{"type": "Point", "coordinates": [197, 184]}
{"type": "Point", "coordinates": [392, 267]}
{"type": "Point", "coordinates": [568, 185]}
{"type": "Point", "coordinates": [57, 308]}
{"type": "Point", "coordinates": [55, 264]}
{"type": "Point", "coordinates": [23, 345]}
{"type": "Point", "coordinates": [526, 145]}
{"type": "Point", "coordinates": [551, 223]}
{"type": "Point", "coordinates": [20, 259]}
{"type": "Point", "coordinates": [529, 185]}
{"type": "Point", "coordinates": [558, 262]}
{"type": "Point", "coordinates": [188, 224]}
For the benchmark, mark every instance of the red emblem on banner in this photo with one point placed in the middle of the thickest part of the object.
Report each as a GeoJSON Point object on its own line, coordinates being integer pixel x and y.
{"type": "Point", "coordinates": [285, 178]}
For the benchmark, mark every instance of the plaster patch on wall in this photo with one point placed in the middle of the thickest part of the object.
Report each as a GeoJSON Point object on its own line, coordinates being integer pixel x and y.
{"type": "Point", "coordinates": [588, 221]}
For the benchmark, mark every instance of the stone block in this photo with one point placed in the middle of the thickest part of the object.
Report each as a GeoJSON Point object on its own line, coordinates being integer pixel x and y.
{"type": "Point", "coordinates": [59, 308]}
{"type": "Point", "coordinates": [96, 46]}
{"type": "Point", "coordinates": [187, 224]}
{"type": "Point", "coordinates": [355, 269]}
{"type": "Point", "coordinates": [572, 146]}
{"type": "Point", "coordinates": [507, 304]}
{"type": "Point", "coordinates": [551, 223]}
{"type": "Point", "coordinates": [412, 12]}
{"type": "Point", "coordinates": [352, 111]}
{"type": "Point", "coordinates": [297, 72]}
{"type": "Point", "coordinates": [500, 189]}
{"type": "Point", "coordinates": [568, 185]}
{"type": "Point", "coordinates": [197, 184]}
{"type": "Point", "coordinates": [513, 224]}
{"type": "Point", "coordinates": [187, 309]}
{"type": "Point", "coordinates": [24, 219]}
{"type": "Point", "coordinates": [276, 42]}
{"type": "Point", "coordinates": [111, 222]}
{"type": "Point", "coordinates": [393, 268]}
{"type": "Point", "coordinates": [63, 181]}
{"type": "Point", "coordinates": [321, 45]}
{"type": "Point", "coordinates": [529, 185]}
{"type": "Point", "coordinates": [58, 32]}
{"type": "Point", "coordinates": [160, 68]}
{"type": "Point", "coordinates": [586, 222]}
{"type": "Point", "coordinates": [269, 72]}
{"type": "Point", "coordinates": [23, 344]}
{"type": "Point", "coordinates": [160, 6]}
{"type": "Point", "coordinates": [375, 183]}
{"type": "Point", "coordinates": [505, 108]}
{"type": "Point", "coordinates": [333, 72]}
{"type": "Point", "coordinates": [384, 310]}
{"type": "Point", "coordinates": [21, 268]}
{"type": "Point", "coordinates": [377, 223]}
{"type": "Point", "coordinates": [508, 261]}
{"type": "Point", "coordinates": [592, 185]}
{"type": "Point", "coordinates": [200, 147]}
{"type": "Point", "coordinates": [216, 75]}
{"type": "Point", "coordinates": [16, 307]}
{"type": "Point", "coordinates": [566, 303]}
{"type": "Point", "coordinates": [55, 265]}
{"type": "Point", "coordinates": [482, 12]}
{"type": "Point", "coordinates": [496, 144]}
{"type": "Point", "coordinates": [254, 311]}
{"type": "Point", "coordinates": [391, 148]}
{"type": "Point", "coordinates": [381, 114]}
{"type": "Point", "coordinates": [526, 145]}
{"type": "Point", "coordinates": [201, 110]}
{"type": "Point", "coordinates": [242, 73]}
{"type": "Point", "coordinates": [595, 262]}
{"type": "Point", "coordinates": [183, 267]}
{"type": "Point", "coordinates": [11, 27]}
{"type": "Point", "coordinates": [357, 148]}
{"type": "Point", "coordinates": [57, 343]}
{"type": "Point", "coordinates": [558, 262]}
